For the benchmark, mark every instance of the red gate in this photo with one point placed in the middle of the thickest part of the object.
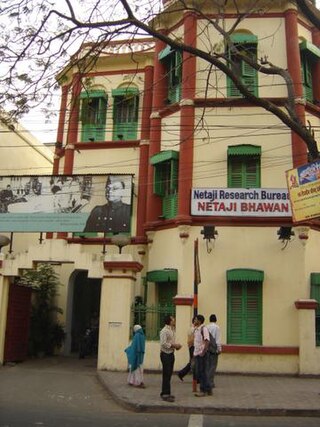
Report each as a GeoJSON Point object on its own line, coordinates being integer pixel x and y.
{"type": "Point", "coordinates": [18, 321]}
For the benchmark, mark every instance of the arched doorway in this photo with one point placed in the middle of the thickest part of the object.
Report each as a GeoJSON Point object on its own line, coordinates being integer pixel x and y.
{"type": "Point", "coordinates": [85, 306]}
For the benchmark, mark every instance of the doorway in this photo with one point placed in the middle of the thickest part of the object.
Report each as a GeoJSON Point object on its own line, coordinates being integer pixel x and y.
{"type": "Point", "coordinates": [85, 307]}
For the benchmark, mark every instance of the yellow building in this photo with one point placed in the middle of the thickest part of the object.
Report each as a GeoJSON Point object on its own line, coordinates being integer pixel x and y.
{"type": "Point", "coordinates": [206, 167]}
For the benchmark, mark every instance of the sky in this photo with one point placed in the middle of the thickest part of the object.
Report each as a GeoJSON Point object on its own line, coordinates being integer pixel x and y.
{"type": "Point", "coordinates": [46, 131]}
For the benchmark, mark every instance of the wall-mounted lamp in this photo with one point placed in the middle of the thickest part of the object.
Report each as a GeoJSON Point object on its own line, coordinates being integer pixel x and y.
{"type": "Point", "coordinates": [285, 234]}
{"type": "Point", "coordinates": [209, 234]}
{"type": "Point", "coordinates": [120, 240]}
{"type": "Point", "coordinates": [303, 233]}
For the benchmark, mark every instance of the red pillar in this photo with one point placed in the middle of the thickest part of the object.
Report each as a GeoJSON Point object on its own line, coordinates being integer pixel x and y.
{"type": "Point", "coordinates": [187, 118]}
{"type": "Point", "coordinates": [61, 129]}
{"type": "Point", "coordinates": [316, 68]}
{"type": "Point", "coordinates": [299, 148]}
{"type": "Point", "coordinates": [72, 133]}
{"type": "Point", "coordinates": [159, 95]}
{"type": "Point", "coordinates": [144, 151]}
{"type": "Point", "coordinates": [73, 126]}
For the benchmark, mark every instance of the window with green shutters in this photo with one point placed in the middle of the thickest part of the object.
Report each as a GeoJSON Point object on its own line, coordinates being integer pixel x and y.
{"type": "Point", "coordinates": [309, 55]}
{"type": "Point", "coordinates": [244, 166]}
{"type": "Point", "coordinates": [165, 185]}
{"type": "Point", "coordinates": [93, 115]}
{"type": "Point", "coordinates": [125, 114]}
{"type": "Point", "coordinates": [244, 316]}
{"type": "Point", "coordinates": [306, 72]}
{"type": "Point", "coordinates": [315, 294]}
{"type": "Point", "coordinates": [172, 60]}
{"type": "Point", "coordinates": [247, 47]}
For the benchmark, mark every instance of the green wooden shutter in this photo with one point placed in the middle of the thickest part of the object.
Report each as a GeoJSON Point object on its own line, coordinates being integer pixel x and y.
{"type": "Point", "coordinates": [315, 294]}
{"type": "Point", "coordinates": [93, 117]}
{"type": "Point", "coordinates": [306, 71]}
{"type": "Point", "coordinates": [125, 117]}
{"type": "Point", "coordinates": [248, 74]}
{"type": "Point", "coordinates": [173, 63]}
{"type": "Point", "coordinates": [159, 179]}
{"type": "Point", "coordinates": [243, 172]}
{"type": "Point", "coordinates": [244, 313]}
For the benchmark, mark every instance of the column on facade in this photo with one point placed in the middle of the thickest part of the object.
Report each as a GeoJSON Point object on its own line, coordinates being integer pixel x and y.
{"type": "Point", "coordinates": [117, 294]}
{"type": "Point", "coordinates": [60, 132]}
{"type": "Point", "coordinates": [309, 357]}
{"type": "Point", "coordinates": [299, 149]}
{"type": "Point", "coordinates": [72, 136]}
{"type": "Point", "coordinates": [316, 73]}
{"type": "Point", "coordinates": [4, 295]}
{"type": "Point", "coordinates": [153, 210]}
{"type": "Point", "coordinates": [184, 314]}
{"type": "Point", "coordinates": [144, 152]}
{"type": "Point", "coordinates": [187, 118]}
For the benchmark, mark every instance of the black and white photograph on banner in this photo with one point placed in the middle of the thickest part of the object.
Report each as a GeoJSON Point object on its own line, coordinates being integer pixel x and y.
{"type": "Point", "coordinates": [75, 203]}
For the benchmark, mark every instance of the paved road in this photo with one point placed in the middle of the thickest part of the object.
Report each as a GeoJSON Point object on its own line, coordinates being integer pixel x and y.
{"type": "Point", "coordinates": [66, 393]}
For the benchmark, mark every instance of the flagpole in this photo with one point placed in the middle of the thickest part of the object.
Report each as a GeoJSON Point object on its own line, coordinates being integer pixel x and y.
{"type": "Point", "coordinates": [196, 281]}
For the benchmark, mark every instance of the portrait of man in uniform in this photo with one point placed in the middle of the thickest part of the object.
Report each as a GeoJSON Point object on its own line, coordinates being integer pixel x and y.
{"type": "Point", "coordinates": [114, 216]}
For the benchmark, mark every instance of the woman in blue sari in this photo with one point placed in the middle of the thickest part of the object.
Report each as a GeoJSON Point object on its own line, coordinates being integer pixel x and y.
{"type": "Point", "coordinates": [135, 353]}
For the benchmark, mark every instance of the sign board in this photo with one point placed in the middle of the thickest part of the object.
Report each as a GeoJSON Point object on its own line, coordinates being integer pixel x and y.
{"type": "Point", "coordinates": [255, 202]}
{"type": "Point", "coordinates": [304, 189]}
{"type": "Point", "coordinates": [60, 203]}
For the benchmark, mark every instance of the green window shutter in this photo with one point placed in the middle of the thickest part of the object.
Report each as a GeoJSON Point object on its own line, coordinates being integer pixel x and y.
{"type": "Point", "coordinates": [315, 294]}
{"type": "Point", "coordinates": [93, 117]}
{"type": "Point", "coordinates": [306, 71]}
{"type": "Point", "coordinates": [169, 206]}
{"type": "Point", "coordinates": [248, 75]}
{"type": "Point", "coordinates": [158, 181]}
{"type": "Point", "coordinates": [244, 166]}
{"type": "Point", "coordinates": [172, 60]}
{"type": "Point", "coordinates": [125, 116]}
{"type": "Point", "coordinates": [244, 323]}
{"type": "Point", "coordinates": [165, 183]}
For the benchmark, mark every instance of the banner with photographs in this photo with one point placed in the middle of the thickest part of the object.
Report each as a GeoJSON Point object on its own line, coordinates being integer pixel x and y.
{"type": "Point", "coordinates": [61, 203]}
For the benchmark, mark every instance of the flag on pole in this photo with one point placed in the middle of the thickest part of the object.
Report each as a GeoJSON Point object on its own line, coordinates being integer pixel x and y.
{"type": "Point", "coordinates": [197, 277]}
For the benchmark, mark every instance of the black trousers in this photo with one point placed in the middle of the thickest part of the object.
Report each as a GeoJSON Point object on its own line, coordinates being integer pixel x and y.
{"type": "Point", "coordinates": [167, 361]}
{"type": "Point", "coordinates": [186, 369]}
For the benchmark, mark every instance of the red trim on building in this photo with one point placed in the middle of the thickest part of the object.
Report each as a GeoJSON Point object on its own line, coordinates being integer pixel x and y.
{"type": "Point", "coordinates": [72, 136]}
{"type": "Point", "coordinates": [183, 300]}
{"type": "Point", "coordinates": [316, 69]}
{"type": "Point", "coordinates": [158, 100]}
{"type": "Point", "coordinates": [98, 145]}
{"type": "Point", "coordinates": [306, 305]}
{"type": "Point", "coordinates": [144, 151]}
{"type": "Point", "coordinates": [119, 276]}
{"type": "Point", "coordinates": [60, 132]}
{"type": "Point", "coordinates": [187, 117]}
{"type": "Point", "coordinates": [122, 265]}
{"type": "Point", "coordinates": [256, 349]}
{"type": "Point", "coordinates": [299, 149]}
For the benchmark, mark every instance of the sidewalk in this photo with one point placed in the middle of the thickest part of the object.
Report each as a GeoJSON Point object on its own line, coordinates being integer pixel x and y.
{"type": "Point", "coordinates": [233, 395]}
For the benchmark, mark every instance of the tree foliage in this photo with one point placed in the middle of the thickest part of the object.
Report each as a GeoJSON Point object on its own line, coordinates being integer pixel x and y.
{"type": "Point", "coordinates": [46, 332]}
{"type": "Point", "coordinates": [44, 34]}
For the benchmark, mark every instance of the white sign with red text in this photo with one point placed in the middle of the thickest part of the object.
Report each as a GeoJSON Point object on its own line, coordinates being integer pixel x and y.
{"type": "Point", "coordinates": [257, 202]}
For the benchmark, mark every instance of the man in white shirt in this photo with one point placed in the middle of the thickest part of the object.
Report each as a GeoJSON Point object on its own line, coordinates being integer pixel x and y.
{"type": "Point", "coordinates": [167, 347]}
{"type": "Point", "coordinates": [214, 330]}
{"type": "Point", "coordinates": [201, 356]}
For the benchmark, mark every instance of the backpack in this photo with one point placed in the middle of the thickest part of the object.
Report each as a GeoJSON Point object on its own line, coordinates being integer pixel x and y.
{"type": "Point", "coordinates": [212, 348]}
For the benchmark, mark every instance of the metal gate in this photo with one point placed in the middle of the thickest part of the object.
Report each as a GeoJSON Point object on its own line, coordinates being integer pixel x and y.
{"type": "Point", "coordinates": [18, 321]}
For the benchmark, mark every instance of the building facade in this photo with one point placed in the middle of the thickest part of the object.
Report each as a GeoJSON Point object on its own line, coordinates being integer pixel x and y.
{"type": "Point", "coordinates": [208, 172]}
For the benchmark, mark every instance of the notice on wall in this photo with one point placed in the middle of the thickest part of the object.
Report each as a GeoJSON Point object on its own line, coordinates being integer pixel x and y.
{"type": "Point", "coordinates": [254, 202]}
{"type": "Point", "coordinates": [304, 190]}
